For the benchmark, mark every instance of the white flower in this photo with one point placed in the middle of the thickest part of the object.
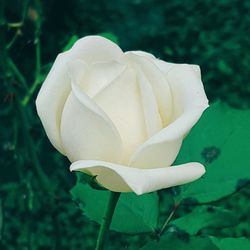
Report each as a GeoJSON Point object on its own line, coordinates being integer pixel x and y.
{"type": "Point", "coordinates": [122, 116]}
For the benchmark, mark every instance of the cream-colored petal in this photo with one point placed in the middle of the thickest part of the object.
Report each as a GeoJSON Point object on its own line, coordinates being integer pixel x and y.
{"type": "Point", "coordinates": [196, 69]}
{"type": "Point", "coordinates": [51, 98]}
{"type": "Point", "coordinates": [93, 49]}
{"type": "Point", "coordinates": [158, 82]}
{"type": "Point", "coordinates": [187, 89]}
{"type": "Point", "coordinates": [141, 53]}
{"type": "Point", "coordinates": [56, 88]}
{"type": "Point", "coordinates": [76, 70]}
{"type": "Point", "coordinates": [120, 100]}
{"type": "Point", "coordinates": [151, 113]}
{"type": "Point", "coordinates": [189, 102]}
{"type": "Point", "coordinates": [93, 78]}
{"type": "Point", "coordinates": [99, 76]}
{"type": "Point", "coordinates": [162, 149]}
{"type": "Point", "coordinates": [120, 178]}
{"type": "Point", "coordinates": [165, 67]}
{"type": "Point", "coordinates": [86, 132]}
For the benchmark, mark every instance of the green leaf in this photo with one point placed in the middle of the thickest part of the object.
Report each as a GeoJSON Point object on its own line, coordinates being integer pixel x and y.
{"type": "Point", "coordinates": [220, 141]}
{"type": "Point", "coordinates": [112, 37]}
{"type": "Point", "coordinates": [133, 214]}
{"type": "Point", "coordinates": [204, 217]}
{"type": "Point", "coordinates": [231, 243]}
{"type": "Point", "coordinates": [172, 241]}
{"type": "Point", "coordinates": [71, 42]}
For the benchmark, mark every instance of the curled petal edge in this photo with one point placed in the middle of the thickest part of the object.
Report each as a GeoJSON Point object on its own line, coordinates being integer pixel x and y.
{"type": "Point", "coordinates": [50, 101]}
{"type": "Point", "coordinates": [142, 181]}
{"type": "Point", "coordinates": [194, 102]}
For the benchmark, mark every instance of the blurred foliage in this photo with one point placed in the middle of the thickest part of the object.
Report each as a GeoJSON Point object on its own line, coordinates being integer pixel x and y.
{"type": "Point", "coordinates": [210, 33]}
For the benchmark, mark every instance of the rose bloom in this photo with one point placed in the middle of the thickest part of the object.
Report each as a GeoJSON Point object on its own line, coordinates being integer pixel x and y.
{"type": "Point", "coordinates": [122, 116]}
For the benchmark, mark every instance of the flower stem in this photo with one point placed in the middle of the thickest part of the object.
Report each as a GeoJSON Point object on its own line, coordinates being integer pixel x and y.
{"type": "Point", "coordinates": [106, 221]}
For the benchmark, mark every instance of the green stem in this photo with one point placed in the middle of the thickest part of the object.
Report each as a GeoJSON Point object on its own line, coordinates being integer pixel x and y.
{"type": "Point", "coordinates": [168, 219]}
{"type": "Point", "coordinates": [37, 43]}
{"type": "Point", "coordinates": [12, 41]}
{"type": "Point", "coordinates": [37, 81]}
{"type": "Point", "coordinates": [18, 25]}
{"type": "Point", "coordinates": [31, 147]}
{"type": "Point", "coordinates": [10, 65]}
{"type": "Point", "coordinates": [25, 9]}
{"type": "Point", "coordinates": [30, 143]}
{"type": "Point", "coordinates": [114, 197]}
{"type": "Point", "coordinates": [38, 58]}
{"type": "Point", "coordinates": [32, 89]}
{"type": "Point", "coordinates": [17, 73]}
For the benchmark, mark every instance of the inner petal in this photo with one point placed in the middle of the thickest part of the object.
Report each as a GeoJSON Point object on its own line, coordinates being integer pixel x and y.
{"type": "Point", "coordinates": [159, 84]}
{"type": "Point", "coordinates": [152, 117]}
{"type": "Point", "coordinates": [121, 101]}
{"type": "Point", "coordinates": [99, 75]}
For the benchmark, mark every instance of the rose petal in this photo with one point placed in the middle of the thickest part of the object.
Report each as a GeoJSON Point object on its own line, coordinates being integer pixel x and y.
{"type": "Point", "coordinates": [120, 178]}
{"type": "Point", "coordinates": [165, 67]}
{"type": "Point", "coordinates": [76, 70]}
{"type": "Point", "coordinates": [189, 101]}
{"type": "Point", "coordinates": [56, 87]}
{"type": "Point", "coordinates": [196, 69]}
{"type": "Point", "coordinates": [51, 99]}
{"type": "Point", "coordinates": [151, 114]}
{"type": "Point", "coordinates": [141, 53]}
{"type": "Point", "coordinates": [158, 82]}
{"type": "Point", "coordinates": [187, 89]}
{"type": "Point", "coordinates": [99, 76]}
{"type": "Point", "coordinates": [87, 133]}
{"type": "Point", "coordinates": [93, 49]}
{"type": "Point", "coordinates": [94, 77]}
{"type": "Point", "coordinates": [121, 101]}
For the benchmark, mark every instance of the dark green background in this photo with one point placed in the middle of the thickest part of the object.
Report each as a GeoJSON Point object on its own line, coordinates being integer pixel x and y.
{"type": "Point", "coordinates": [213, 34]}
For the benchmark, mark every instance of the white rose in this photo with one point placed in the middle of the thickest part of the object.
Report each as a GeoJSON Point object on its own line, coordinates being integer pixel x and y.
{"type": "Point", "coordinates": [122, 116]}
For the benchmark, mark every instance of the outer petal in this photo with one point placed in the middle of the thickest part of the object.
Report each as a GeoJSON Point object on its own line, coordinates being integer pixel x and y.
{"type": "Point", "coordinates": [94, 49]}
{"type": "Point", "coordinates": [51, 99]}
{"type": "Point", "coordinates": [164, 66]}
{"type": "Point", "coordinates": [187, 90]}
{"type": "Point", "coordinates": [86, 131]}
{"type": "Point", "coordinates": [189, 101]}
{"type": "Point", "coordinates": [56, 88]}
{"type": "Point", "coordinates": [167, 66]}
{"type": "Point", "coordinates": [120, 178]}
{"type": "Point", "coordinates": [142, 53]}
